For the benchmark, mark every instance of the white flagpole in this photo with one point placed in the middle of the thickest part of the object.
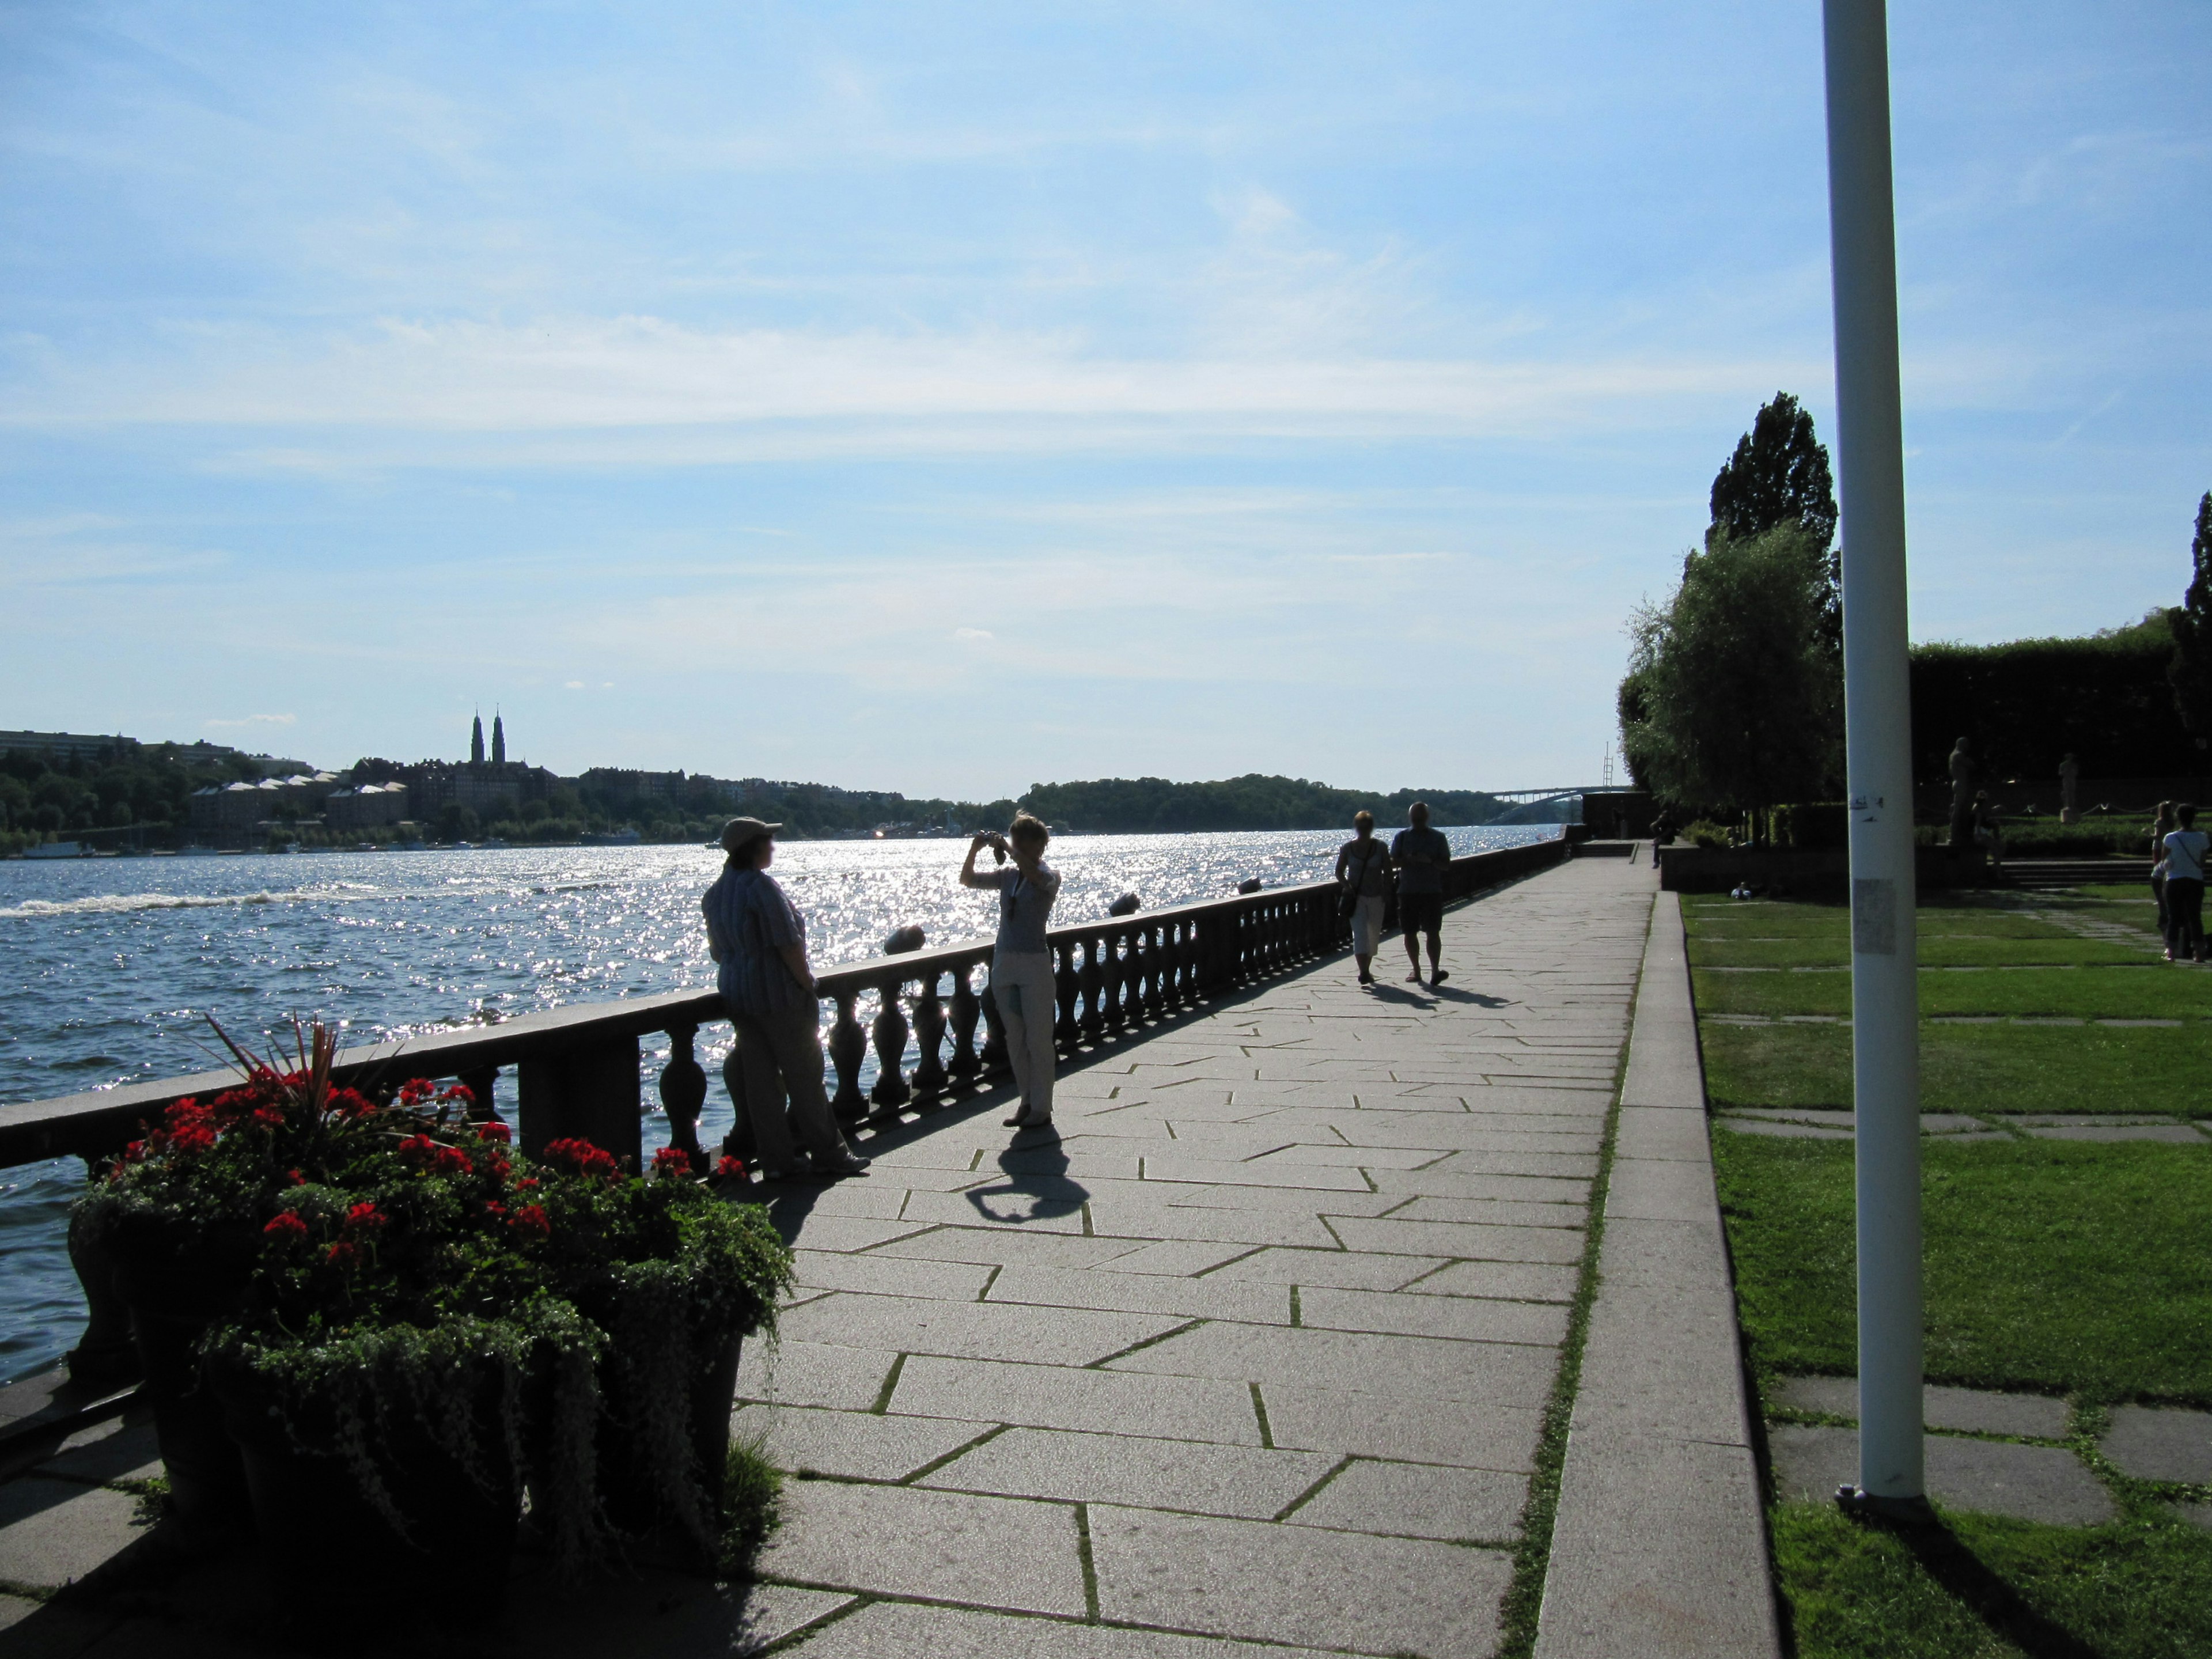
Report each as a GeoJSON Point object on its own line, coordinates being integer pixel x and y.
{"type": "Point", "coordinates": [1885, 1011]}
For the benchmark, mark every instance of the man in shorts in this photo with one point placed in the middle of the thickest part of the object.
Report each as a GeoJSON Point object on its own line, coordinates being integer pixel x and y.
{"type": "Point", "coordinates": [1421, 854]}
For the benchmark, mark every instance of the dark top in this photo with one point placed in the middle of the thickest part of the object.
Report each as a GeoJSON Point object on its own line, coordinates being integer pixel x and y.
{"type": "Point", "coordinates": [748, 920]}
{"type": "Point", "coordinates": [1420, 856]}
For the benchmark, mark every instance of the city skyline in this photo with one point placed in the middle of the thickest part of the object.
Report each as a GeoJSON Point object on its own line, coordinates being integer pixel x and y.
{"type": "Point", "coordinates": [940, 405]}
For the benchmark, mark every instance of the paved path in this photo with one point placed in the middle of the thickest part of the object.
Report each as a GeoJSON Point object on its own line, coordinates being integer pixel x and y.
{"type": "Point", "coordinates": [1260, 1349]}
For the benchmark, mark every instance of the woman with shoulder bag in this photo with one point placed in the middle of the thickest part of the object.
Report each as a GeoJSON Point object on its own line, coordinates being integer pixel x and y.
{"type": "Point", "coordinates": [1363, 868]}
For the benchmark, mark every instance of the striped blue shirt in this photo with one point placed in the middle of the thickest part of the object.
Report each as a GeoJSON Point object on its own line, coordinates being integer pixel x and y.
{"type": "Point", "coordinates": [748, 919]}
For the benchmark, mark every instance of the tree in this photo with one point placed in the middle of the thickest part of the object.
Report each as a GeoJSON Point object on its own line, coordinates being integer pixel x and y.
{"type": "Point", "coordinates": [2190, 672]}
{"type": "Point", "coordinates": [1734, 698]}
{"type": "Point", "coordinates": [1779, 476]}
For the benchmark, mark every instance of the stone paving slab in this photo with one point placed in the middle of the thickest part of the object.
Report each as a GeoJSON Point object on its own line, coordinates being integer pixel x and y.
{"type": "Point", "coordinates": [54, 1531]}
{"type": "Point", "coordinates": [854, 1445]}
{"type": "Point", "coordinates": [1974, 1411]}
{"type": "Point", "coordinates": [1419, 1500]}
{"type": "Point", "coordinates": [1246, 1482]}
{"type": "Point", "coordinates": [938, 1545]}
{"type": "Point", "coordinates": [2161, 1443]}
{"type": "Point", "coordinates": [2029, 1483]}
{"type": "Point", "coordinates": [896, 1630]}
{"type": "Point", "coordinates": [1281, 1583]}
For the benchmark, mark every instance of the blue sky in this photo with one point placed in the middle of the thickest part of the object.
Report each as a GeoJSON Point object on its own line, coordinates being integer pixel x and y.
{"type": "Point", "coordinates": [948, 398]}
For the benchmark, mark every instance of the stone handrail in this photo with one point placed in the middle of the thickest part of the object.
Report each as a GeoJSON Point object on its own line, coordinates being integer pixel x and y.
{"type": "Point", "coordinates": [578, 1068]}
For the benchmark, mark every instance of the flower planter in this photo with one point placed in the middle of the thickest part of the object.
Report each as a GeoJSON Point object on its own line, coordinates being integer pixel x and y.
{"type": "Point", "coordinates": [329, 1553]}
{"type": "Point", "coordinates": [170, 1311]}
{"type": "Point", "coordinates": [637, 1502]}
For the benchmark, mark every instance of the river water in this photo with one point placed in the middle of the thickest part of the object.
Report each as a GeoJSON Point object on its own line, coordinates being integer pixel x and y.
{"type": "Point", "coordinates": [111, 965]}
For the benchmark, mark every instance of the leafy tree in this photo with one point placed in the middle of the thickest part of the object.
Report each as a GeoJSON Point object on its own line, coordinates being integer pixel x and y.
{"type": "Point", "coordinates": [1779, 476]}
{"type": "Point", "coordinates": [2191, 672]}
{"type": "Point", "coordinates": [1734, 685]}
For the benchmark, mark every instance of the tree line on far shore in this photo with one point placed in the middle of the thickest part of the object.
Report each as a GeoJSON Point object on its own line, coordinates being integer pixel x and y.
{"type": "Point", "coordinates": [1733, 701]}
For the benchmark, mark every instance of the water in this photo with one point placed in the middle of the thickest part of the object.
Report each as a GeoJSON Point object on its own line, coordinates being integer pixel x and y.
{"type": "Point", "coordinates": [110, 964]}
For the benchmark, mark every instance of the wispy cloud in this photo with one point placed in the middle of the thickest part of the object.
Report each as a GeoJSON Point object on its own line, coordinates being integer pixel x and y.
{"type": "Point", "coordinates": [253, 719]}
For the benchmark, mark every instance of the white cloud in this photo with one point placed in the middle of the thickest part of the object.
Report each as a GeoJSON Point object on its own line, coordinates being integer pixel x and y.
{"type": "Point", "coordinates": [973, 634]}
{"type": "Point", "coordinates": [572, 685]}
{"type": "Point", "coordinates": [257, 720]}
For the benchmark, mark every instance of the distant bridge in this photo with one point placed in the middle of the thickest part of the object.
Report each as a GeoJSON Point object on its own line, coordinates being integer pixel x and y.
{"type": "Point", "coordinates": [1550, 794]}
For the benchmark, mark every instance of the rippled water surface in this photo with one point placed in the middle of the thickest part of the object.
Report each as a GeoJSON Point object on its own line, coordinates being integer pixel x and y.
{"type": "Point", "coordinates": [111, 964]}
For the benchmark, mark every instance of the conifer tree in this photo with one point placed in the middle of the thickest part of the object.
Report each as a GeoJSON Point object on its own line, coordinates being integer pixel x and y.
{"type": "Point", "coordinates": [2190, 672]}
{"type": "Point", "coordinates": [1778, 476]}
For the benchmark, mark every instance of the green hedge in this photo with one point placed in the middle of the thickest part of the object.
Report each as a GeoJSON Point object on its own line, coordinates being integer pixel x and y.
{"type": "Point", "coordinates": [1812, 823]}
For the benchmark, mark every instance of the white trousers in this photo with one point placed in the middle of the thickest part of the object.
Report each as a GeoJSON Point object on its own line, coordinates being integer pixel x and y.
{"type": "Point", "coordinates": [1022, 982]}
{"type": "Point", "coordinates": [1366, 925]}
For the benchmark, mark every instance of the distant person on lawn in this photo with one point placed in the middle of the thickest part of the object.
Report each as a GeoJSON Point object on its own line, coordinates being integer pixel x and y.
{"type": "Point", "coordinates": [758, 940]}
{"type": "Point", "coordinates": [2185, 849]}
{"type": "Point", "coordinates": [1421, 854]}
{"type": "Point", "coordinates": [1363, 868]}
{"type": "Point", "coordinates": [1021, 962]}
{"type": "Point", "coordinates": [2160, 829]}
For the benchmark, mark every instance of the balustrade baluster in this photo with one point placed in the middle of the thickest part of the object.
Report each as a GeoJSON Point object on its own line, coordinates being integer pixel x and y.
{"type": "Point", "coordinates": [1156, 958]}
{"type": "Point", "coordinates": [1094, 981]}
{"type": "Point", "coordinates": [994, 1034]}
{"type": "Point", "coordinates": [1066, 982]}
{"type": "Point", "coordinates": [684, 1094]}
{"type": "Point", "coordinates": [849, 1045]}
{"type": "Point", "coordinates": [1188, 987]}
{"type": "Point", "coordinates": [480, 1083]}
{"type": "Point", "coordinates": [1113, 971]}
{"type": "Point", "coordinates": [890, 1092]}
{"type": "Point", "coordinates": [1129, 1006]}
{"type": "Point", "coordinates": [929, 1074]}
{"type": "Point", "coordinates": [966, 1010]}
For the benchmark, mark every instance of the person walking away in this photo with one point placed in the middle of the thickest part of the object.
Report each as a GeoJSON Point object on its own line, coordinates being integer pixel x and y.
{"type": "Point", "coordinates": [1021, 961]}
{"type": "Point", "coordinates": [2160, 828]}
{"type": "Point", "coordinates": [1363, 869]}
{"type": "Point", "coordinates": [2185, 846]}
{"type": "Point", "coordinates": [1421, 854]}
{"type": "Point", "coordinates": [758, 941]}
{"type": "Point", "coordinates": [1988, 828]}
{"type": "Point", "coordinates": [1961, 769]}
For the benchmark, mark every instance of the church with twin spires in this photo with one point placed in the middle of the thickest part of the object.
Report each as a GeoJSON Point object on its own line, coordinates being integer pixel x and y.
{"type": "Point", "coordinates": [492, 788]}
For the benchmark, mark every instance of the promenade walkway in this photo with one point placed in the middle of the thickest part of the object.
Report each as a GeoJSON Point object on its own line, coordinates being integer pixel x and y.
{"type": "Point", "coordinates": [1255, 1356]}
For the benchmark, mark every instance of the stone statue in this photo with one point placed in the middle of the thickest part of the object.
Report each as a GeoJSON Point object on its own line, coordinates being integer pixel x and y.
{"type": "Point", "coordinates": [2069, 780]}
{"type": "Point", "coordinates": [1962, 794]}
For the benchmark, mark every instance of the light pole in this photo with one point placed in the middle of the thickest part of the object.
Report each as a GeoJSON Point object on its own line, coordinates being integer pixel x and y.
{"type": "Point", "coordinates": [1877, 713]}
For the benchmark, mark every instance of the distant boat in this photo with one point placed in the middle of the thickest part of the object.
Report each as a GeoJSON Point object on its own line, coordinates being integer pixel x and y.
{"type": "Point", "coordinates": [464, 846]}
{"type": "Point", "coordinates": [364, 846]}
{"type": "Point", "coordinates": [196, 851]}
{"type": "Point", "coordinates": [494, 841]}
{"type": "Point", "coordinates": [56, 849]}
{"type": "Point", "coordinates": [623, 837]}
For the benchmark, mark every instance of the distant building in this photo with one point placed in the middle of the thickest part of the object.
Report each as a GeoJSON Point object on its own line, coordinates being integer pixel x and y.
{"type": "Point", "coordinates": [494, 788]}
{"type": "Point", "coordinates": [370, 806]}
{"type": "Point", "coordinates": [65, 745]}
{"type": "Point", "coordinates": [235, 811]}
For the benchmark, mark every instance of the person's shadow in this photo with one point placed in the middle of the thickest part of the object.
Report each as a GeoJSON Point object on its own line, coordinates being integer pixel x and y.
{"type": "Point", "coordinates": [1037, 1187]}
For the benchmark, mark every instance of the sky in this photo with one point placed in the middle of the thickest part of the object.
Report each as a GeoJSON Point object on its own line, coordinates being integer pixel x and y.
{"type": "Point", "coordinates": [950, 398]}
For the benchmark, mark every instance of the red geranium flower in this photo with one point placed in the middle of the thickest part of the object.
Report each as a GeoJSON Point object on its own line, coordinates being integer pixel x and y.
{"type": "Point", "coordinates": [415, 1092]}
{"type": "Point", "coordinates": [495, 1130]}
{"type": "Point", "coordinates": [532, 1222]}
{"type": "Point", "coordinates": [581, 1158]}
{"type": "Point", "coordinates": [672, 1161]}
{"type": "Point", "coordinates": [729, 1166]}
{"type": "Point", "coordinates": [286, 1228]}
{"type": "Point", "coordinates": [433, 1157]}
{"type": "Point", "coordinates": [344, 1253]}
{"type": "Point", "coordinates": [298, 1179]}
{"type": "Point", "coordinates": [365, 1217]}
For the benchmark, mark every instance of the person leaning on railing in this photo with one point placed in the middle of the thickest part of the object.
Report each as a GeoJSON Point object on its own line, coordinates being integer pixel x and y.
{"type": "Point", "coordinates": [1021, 962]}
{"type": "Point", "coordinates": [758, 940]}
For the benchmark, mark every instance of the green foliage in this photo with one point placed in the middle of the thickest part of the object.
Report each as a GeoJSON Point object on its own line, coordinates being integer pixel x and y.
{"type": "Point", "coordinates": [2190, 670]}
{"type": "Point", "coordinates": [1740, 686]}
{"type": "Point", "coordinates": [752, 1502]}
{"type": "Point", "coordinates": [1813, 825]}
{"type": "Point", "coordinates": [132, 783]}
{"type": "Point", "coordinates": [1254, 801]}
{"type": "Point", "coordinates": [1778, 476]}
{"type": "Point", "coordinates": [2026, 704]}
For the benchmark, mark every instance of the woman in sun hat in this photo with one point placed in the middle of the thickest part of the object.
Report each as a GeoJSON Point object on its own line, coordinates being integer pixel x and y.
{"type": "Point", "coordinates": [1021, 962]}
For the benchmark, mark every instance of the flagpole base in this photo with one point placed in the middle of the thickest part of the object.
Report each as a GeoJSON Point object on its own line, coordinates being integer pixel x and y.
{"type": "Point", "coordinates": [1896, 1511]}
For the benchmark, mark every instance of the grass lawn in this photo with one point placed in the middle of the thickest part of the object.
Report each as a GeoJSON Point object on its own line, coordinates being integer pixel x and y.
{"type": "Point", "coordinates": [1974, 1068]}
{"type": "Point", "coordinates": [1983, 1587]}
{"type": "Point", "coordinates": [2052, 1266]}
{"type": "Point", "coordinates": [2064, 1267]}
{"type": "Point", "coordinates": [2148, 992]}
